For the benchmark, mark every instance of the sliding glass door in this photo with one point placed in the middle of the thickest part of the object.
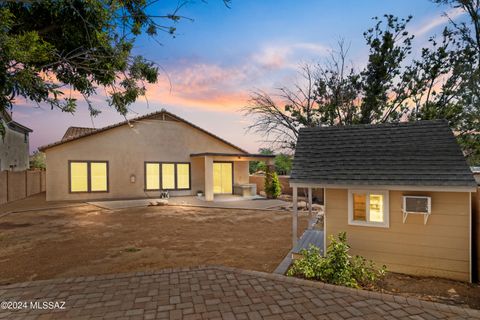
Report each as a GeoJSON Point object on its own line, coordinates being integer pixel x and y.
{"type": "Point", "coordinates": [222, 177]}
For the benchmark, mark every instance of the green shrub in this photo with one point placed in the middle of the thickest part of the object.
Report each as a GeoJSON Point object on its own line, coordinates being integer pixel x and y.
{"type": "Point", "coordinates": [337, 267]}
{"type": "Point", "coordinates": [272, 185]}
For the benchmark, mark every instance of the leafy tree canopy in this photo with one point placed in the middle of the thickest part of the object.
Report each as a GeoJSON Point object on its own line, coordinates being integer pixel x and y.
{"type": "Point", "coordinates": [443, 83]}
{"type": "Point", "coordinates": [49, 48]}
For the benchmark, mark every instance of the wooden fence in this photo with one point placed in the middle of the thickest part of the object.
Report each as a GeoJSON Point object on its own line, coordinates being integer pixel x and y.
{"type": "Point", "coordinates": [16, 185]}
{"type": "Point", "coordinates": [259, 180]}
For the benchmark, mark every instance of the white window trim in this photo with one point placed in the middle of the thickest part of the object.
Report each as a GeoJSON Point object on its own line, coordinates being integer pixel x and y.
{"type": "Point", "coordinates": [386, 209]}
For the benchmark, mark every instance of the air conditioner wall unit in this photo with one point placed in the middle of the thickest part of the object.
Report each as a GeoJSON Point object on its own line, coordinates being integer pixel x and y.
{"type": "Point", "coordinates": [417, 205]}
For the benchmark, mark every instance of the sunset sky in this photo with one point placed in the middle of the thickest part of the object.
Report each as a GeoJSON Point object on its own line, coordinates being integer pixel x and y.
{"type": "Point", "coordinates": [216, 60]}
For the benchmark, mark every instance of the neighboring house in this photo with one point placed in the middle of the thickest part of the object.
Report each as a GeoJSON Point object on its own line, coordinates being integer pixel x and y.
{"type": "Point", "coordinates": [140, 157]}
{"type": "Point", "coordinates": [476, 174]}
{"type": "Point", "coordinates": [14, 146]}
{"type": "Point", "coordinates": [402, 193]}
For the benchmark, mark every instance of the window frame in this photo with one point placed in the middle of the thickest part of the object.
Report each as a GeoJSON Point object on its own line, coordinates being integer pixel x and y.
{"type": "Point", "coordinates": [89, 176]}
{"type": "Point", "coordinates": [160, 163]}
{"type": "Point", "coordinates": [368, 223]}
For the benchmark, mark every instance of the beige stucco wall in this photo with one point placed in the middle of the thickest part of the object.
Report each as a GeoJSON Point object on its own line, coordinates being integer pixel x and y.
{"type": "Point", "coordinates": [126, 149]}
{"type": "Point", "coordinates": [240, 169]}
{"type": "Point", "coordinates": [439, 248]}
{"type": "Point", "coordinates": [13, 150]}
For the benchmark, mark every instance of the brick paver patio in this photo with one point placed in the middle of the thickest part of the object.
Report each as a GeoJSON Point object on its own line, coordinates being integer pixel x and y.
{"type": "Point", "coordinates": [214, 293]}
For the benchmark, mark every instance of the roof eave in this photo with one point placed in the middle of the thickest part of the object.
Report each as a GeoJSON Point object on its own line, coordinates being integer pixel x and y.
{"type": "Point", "coordinates": [19, 126]}
{"type": "Point", "coordinates": [377, 186]}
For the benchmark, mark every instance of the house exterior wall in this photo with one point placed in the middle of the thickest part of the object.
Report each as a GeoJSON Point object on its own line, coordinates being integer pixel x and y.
{"type": "Point", "coordinates": [439, 248]}
{"type": "Point", "coordinates": [476, 233]}
{"type": "Point", "coordinates": [240, 172]}
{"type": "Point", "coordinates": [126, 149]}
{"type": "Point", "coordinates": [14, 151]}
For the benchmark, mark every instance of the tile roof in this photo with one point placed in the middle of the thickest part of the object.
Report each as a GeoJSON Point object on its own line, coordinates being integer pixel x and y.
{"type": "Point", "coordinates": [74, 132]}
{"type": "Point", "coordinates": [422, 153]}
{"type": "Point", "coordinates": [130, 122]}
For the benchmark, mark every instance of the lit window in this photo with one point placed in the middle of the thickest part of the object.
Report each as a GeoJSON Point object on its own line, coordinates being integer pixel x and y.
{"type": "Point", "coordinates": [368, 208]}
{"type": "Point", "coordinates": [98, 176]}
{"type": "Point", "coordinates": [359, 207]}
{"type": "Point", "coordinates": [79, 177]}
{"type": "Point", "coordinates": [88, 176]}
{"type": "Point", "coordinates": [183, 176]}
{"type": "Point", "coordinates": [152, 176]}
{"type": "Point", "coordinates": [168, 176]}
{"type": "Point", "coordinates": [376, 208]}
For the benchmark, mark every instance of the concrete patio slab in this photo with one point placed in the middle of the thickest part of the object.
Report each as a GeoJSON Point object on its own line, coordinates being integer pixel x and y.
{"type": "Point", "coordinates": [210, 293]}
{"type": "Point", "coordinates": [233, 202]}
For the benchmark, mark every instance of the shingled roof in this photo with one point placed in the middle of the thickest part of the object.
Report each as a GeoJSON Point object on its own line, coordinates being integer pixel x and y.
{"type": "Point", "coordinates": [422, 153]}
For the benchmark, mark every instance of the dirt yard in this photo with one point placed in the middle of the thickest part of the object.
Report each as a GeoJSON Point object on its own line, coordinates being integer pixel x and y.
{"type": "Point", "coordinates": [432, 289]}
{"type": "Point", "coordinates": [85, 240]}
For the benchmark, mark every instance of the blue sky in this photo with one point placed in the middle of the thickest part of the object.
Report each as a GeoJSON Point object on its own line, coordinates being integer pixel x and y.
{"type": "Point", "coordinates": [217, 59]}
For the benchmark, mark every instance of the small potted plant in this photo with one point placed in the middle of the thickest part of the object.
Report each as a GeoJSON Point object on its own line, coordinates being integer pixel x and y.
{"type": "Point", "coordinates": [199, 193]}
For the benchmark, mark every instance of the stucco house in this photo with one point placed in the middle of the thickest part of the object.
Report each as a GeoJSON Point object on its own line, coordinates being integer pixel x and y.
{"type": "Point", "coordinates": [141, 157]}
{"type": "Point", "coordinates": [14, 146]}
{"type": "Point", "coordinates": [402, 193]}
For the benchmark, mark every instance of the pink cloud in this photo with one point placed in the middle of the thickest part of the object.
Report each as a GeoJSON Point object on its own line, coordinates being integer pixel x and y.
{"type": "Point", "coordinates": [203, 85]}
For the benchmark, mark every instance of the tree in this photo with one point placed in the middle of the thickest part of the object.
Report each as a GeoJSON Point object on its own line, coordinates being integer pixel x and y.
{"type": "Point", "coordinates": [255, 166]}
{"type": "Point", "coordinates": [51, 49]}
{"type": "Point", "coordinates": [283, 164]}
{"type": "Point", "coordinates": [272, 185]}
{"type": "Point", "coordinates": [282, 161]}
{"type": "Point", "coordinates": [333, 93]}
{"type": "Point", "coordinates": [337, 89]}
{"type": "Point", "coordinates": [280, 124]}
{"type": "Point", "coordinates": [37, 160]}
{"type": "Point", "coordinates": [383, 86]}
{"type": "Point", "coordinates": [444, 83]}
{"type": "Point", "coordinates": [446, 79]}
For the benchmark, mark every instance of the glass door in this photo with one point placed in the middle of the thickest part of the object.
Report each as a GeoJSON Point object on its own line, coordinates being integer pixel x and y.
{"type": "Point", "coordinates": [222, 177]}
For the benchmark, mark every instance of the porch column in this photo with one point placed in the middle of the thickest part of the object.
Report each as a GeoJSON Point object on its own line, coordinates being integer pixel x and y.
{"type": "Point", "coordinates": [294, 216]}
{"type": "Point", "coordinates": [310, 201]}
{"type": "Point", "coordinates": [208, 178]}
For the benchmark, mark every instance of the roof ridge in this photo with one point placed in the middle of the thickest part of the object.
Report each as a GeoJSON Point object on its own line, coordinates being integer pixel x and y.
{"type": "Point", "coordinates": [82, 127]}
{"type": "Point", "coordinates": [377, 125]}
